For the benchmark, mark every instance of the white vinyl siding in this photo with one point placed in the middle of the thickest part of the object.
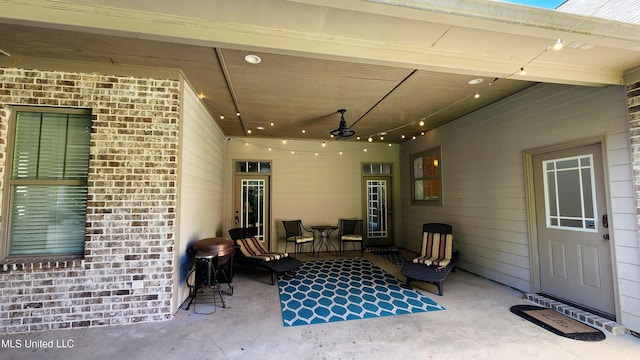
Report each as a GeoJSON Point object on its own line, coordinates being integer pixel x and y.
{"type": "Point", "coordinates": [486, 194]}
{"type": "Point", "coordinates": [202, 177]}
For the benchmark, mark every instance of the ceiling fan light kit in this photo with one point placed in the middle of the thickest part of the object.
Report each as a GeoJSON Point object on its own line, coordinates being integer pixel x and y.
{"type": "Point", "coordinates": [343, 131]}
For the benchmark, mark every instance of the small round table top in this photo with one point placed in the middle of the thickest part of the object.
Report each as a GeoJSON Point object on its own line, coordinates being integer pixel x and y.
{"type": "Point", "coordinates": [220, 245]}
{"type": "Point", "coordinates": [324, 227]}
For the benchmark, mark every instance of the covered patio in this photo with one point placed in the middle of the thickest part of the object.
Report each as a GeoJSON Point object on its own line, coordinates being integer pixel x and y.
{"type": "Point", "coordinates": [122, 297]}
{"type": "Point", "coordinates": [476, 324]}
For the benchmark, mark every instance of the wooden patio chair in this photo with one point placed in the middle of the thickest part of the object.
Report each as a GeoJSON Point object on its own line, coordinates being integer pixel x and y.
{"type": "Point", "coordinates": [436, 259]}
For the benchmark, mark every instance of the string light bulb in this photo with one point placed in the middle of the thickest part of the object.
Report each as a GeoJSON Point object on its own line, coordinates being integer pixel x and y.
{"type": "Point", "coordinates": [284, 141]}
{"type": "Point", "coordinates": [523, 72]}
{"type": "Point", "coordinates": [421, 123]}
{"type": "Point", "coordinates": [324, 144]}
{"type": "Point", "coordinates": [370, 139]}
{"type": "Point", "coordinates": [558, 45]}
{"type": "Point", "coordinates": [476, 95]}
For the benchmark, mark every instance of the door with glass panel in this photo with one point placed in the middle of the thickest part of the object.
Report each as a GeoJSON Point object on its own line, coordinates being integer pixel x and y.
{"type": "Point", "coordinates": [377, 205]}
{"type": "Point", "coordinates": [251, 198]}
{"type": "Point", "coordinates": [572, 226]}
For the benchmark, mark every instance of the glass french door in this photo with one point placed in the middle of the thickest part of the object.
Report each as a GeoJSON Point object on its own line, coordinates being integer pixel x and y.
{"type": "Point", "coordinates": [378, 211]}
{"type": "Point", "coordinates": [251, 205]}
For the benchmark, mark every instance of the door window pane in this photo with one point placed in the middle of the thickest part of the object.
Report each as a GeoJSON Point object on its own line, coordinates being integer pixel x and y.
{"type": "Point", "coordinates": [253, 206]}
{"type": "Point", "coordinates": [377, 213]}
{"type": "Point", "coordinates": [253, 166]}
{"type": "Point", "coordinates": [376, 169]}
{"type": "Point", "coordinates": [569, 193]}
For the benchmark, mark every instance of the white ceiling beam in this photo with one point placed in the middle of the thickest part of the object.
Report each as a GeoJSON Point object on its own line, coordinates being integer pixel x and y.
{"type": "Point", "coordinates": [279, 32]}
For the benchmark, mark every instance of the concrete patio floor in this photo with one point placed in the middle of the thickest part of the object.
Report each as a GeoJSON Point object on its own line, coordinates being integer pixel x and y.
{"type": "Point", "coordinates": [476, 324]}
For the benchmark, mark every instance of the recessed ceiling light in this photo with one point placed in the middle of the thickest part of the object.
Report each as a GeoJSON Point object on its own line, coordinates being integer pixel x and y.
{"type": "Point", "coordinates": [475, 81]}
{"type": "Point", "coordinates": [252, 59]}
{"type": "Point", "coordinates": [260, 128]}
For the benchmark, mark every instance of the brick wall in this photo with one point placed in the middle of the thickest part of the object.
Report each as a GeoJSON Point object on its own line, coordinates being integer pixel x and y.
{"type": "Point", "coordinates": [126, 274]}
{"type": "Point", "coordinates": [633, 103]}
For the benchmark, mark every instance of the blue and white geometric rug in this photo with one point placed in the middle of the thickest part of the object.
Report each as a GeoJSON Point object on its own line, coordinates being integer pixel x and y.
{"type": "Point", "coordinates": [346, 289]}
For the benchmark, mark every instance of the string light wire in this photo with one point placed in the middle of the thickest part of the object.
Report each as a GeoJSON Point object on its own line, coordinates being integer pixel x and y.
{"type": "Point", "coordinates": [476, 94]}
{"type": "Point", "coordinates": [520, 70]}
{"type": "Point", "coordinates": [295, 151]}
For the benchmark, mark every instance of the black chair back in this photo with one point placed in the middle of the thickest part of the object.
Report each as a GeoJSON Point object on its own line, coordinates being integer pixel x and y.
{"type": "Point", "coordinates": [242, 233]}
{"type": "Point", "coordinates": [351, 226]}
{"type": "Point", "coordinates": [292, 228]}
{"type": "Point", "coordinates": [437, 228]}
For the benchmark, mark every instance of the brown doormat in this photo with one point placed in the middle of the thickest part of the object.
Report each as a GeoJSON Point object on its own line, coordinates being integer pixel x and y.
{"type": "Point", "coordinates": [558, 323]}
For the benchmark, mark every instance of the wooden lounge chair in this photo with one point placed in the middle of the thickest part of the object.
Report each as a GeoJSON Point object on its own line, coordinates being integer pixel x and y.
{"type": "Point", "coordinates": [249, 251]}
{"type": "Point", "coordinates": [436, 259]}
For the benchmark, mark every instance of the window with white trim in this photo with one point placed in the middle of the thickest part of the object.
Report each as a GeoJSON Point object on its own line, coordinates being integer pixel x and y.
{"type": "Point", "coordinates": [426, 178]}
{"type": "Point", "coordinates": [46, 186]}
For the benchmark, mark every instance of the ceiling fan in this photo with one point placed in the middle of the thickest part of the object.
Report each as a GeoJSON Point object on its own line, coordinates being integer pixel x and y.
{"type": "Point", "coordinates": [342, 132]}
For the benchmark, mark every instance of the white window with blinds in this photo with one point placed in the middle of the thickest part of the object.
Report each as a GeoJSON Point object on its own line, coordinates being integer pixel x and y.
{"type": "Point", "coordinates": [47, 188]}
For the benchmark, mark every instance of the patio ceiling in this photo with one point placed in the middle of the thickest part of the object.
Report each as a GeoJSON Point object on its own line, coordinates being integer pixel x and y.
{"type": "Point", "coordinates": [390, 63]}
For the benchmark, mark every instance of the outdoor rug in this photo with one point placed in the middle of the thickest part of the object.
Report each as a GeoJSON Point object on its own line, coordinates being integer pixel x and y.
{"type": "Point", "coordinates": [557, 323]}
{"type": "Point", "coordinates": [394, 256]}
{"type": "Point", "coordinates": [346, 289]}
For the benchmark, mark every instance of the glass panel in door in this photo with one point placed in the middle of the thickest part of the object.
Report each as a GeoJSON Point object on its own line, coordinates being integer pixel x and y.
{"type": "Point", "coordinates": [376, 208]}
{"type": "Point", "coordinates": [253, 206]}
{"type": "Point", "coordinates": [569, 194]}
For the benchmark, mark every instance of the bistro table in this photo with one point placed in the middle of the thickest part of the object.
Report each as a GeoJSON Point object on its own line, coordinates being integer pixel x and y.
{"type": "Point", "coordinates": [325, 236]}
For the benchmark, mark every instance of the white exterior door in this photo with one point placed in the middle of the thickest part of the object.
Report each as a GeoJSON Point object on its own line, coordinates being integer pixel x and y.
{"type": "Point", "coordinates": [573, 245]}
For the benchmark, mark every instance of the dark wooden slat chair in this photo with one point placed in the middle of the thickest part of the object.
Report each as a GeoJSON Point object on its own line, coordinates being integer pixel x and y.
{"type": "Point", "coordinates": [436, 259]}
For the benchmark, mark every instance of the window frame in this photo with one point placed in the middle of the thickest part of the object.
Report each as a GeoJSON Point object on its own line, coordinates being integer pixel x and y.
{"type": "Point", "coordinates": [434, 153]}
{"type": "Point", "coordinates": [10, 183]}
